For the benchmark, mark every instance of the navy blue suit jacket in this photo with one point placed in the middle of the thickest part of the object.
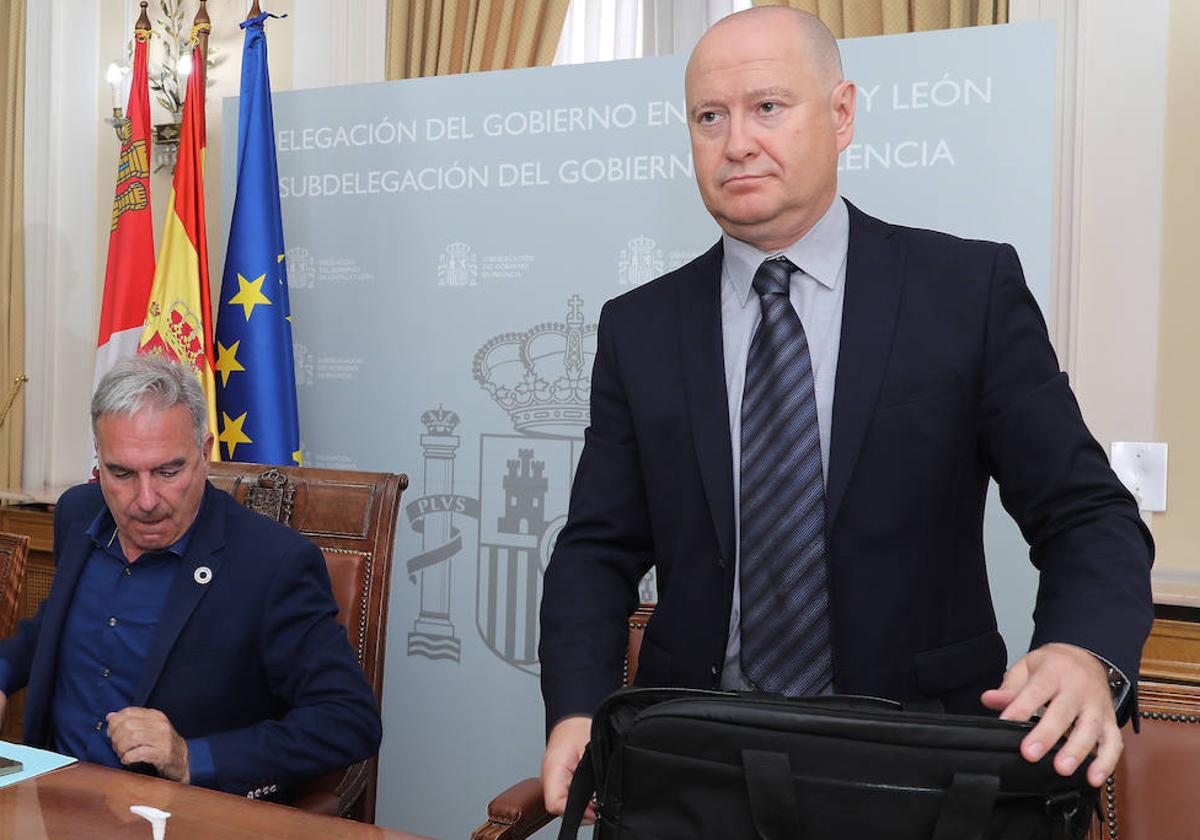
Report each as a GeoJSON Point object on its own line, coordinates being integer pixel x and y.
{"type": "Point", "coordinates": [945, 378]}
{"type": "Point", "coordinates": [254, 660]}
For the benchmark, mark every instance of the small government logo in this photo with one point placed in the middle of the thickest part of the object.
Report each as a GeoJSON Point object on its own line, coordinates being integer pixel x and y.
{"type": "Point", "coordinates": [457, 266]}
{"type": "Point", "coordinates": [640, 262]}
{"type": "Point", "coordinates": [306, 371]}
{"type": "Point", "coordinates": [301, 268]}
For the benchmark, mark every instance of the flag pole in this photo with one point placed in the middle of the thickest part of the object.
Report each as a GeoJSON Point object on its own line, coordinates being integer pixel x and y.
{"type": "Point", "coordinates": [201, 27]}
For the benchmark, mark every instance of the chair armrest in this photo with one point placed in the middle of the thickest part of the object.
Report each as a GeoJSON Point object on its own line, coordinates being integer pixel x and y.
{"type": "Point", "coordinates": [515, 814]}
{"type": "Point", "coordinates": [334, 794]}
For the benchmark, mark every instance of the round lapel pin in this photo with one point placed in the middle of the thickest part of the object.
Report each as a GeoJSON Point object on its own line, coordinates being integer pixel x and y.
{"type": "Point", "coordinates": [203, 575]}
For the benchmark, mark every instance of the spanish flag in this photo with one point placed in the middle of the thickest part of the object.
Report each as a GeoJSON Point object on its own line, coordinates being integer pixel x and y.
{"type": "Point", "coordinates": [179, 316]}
{"type": "Point", "coordinates": [129, 271]}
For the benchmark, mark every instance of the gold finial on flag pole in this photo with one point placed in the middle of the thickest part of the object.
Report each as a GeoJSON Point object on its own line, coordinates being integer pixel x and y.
{"type": "Point", "coordinates": [201, 27]}
{"type": "Point", "coordinates": [141, 29]}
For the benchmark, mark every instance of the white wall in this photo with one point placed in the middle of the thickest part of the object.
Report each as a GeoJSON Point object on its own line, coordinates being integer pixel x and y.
{"type": "Point", "coordinates": [62, 127]}
{"type": "Point", "coordinates": [1113, 60]}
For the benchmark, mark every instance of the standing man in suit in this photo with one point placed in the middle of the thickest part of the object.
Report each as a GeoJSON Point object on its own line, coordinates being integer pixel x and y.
{"type": "Point", "coordinates": [797, 430]}
{"type": "Point", "coordinates": [184, 634]}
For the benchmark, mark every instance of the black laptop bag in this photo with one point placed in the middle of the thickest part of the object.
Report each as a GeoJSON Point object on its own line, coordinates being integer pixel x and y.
{"type": "Point", "coordinates": [670, 764]}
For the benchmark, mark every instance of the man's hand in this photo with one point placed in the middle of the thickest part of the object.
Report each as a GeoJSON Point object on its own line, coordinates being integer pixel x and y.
{"type": "Point", "coordinates": [1073, 686]}
{"type": "Point", "coordinates": [145, 735]}
{"type": "Point", "coordinates": [563, 749]}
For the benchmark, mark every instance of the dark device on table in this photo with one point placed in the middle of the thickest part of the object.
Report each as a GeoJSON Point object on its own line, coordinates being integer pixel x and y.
{"type": "Point", "coordinates": [8, 765]}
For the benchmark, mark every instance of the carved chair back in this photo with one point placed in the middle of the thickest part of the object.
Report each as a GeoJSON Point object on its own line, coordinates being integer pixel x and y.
{"type": "Point", "coordinates": [351, 516]}
{"type": "Point", "coordinates": [14, 553]}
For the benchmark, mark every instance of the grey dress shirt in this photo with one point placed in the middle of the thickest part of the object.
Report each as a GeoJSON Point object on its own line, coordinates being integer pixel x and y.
{"type": "Point", "coordinates": [816, 293]}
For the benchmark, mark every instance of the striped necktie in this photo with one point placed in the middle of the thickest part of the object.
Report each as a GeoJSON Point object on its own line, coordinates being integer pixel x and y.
{"type": "Point", "coordinates": [785, 625]}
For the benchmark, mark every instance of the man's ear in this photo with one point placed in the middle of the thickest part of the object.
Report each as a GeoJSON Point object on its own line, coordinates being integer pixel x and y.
{"type": "Point", "coordinates": [843, 101]}
{"type": "Point", "coordinates": [206, 449]}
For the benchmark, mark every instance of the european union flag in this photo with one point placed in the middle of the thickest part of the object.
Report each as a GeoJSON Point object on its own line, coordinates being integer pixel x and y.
{"type": "Point", "coordinates": [256, 380]}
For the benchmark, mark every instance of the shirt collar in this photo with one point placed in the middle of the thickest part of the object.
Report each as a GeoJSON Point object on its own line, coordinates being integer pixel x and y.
{"type": "Point", "coordinates": [103, 531]}
{"type": "Point", "coordinates": [820, 253]}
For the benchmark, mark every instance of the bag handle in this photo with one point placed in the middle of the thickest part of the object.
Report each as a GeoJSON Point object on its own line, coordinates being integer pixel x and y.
{"type": "Point", "coordinates": [773, 804]}
{"type": "Point", "coordinates": [583, 785]}
{"type": "Point", "coordinates": [967, 807]}
{"type": "Point", "coordinates": [775, 810]}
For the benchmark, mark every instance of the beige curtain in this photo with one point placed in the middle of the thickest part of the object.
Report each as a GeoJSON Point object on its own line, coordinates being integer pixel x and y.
{"type": "Point", "coordinates": [854, 18]}
{"type": "Point", "coordinates": [12, 256]}
{"type": "Point", "coordinates": [441, 37]}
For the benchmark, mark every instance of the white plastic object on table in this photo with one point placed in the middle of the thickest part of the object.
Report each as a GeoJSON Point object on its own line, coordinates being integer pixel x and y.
{"type": "Point", "coordinates": [157, 818]}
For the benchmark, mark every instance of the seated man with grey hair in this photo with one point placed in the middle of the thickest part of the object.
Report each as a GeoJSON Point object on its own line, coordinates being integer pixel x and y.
{"type": "Point", "coordinates": [184, 634]}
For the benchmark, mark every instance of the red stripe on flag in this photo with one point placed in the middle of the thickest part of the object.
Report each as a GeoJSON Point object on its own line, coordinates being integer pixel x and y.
{"type": "Point", "coordinates": [129, 270]}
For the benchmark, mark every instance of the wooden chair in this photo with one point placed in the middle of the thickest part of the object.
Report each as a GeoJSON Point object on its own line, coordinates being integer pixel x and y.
{"type": "Point", "coordinates": [351, 516]}
{"type": "Point", "coordinates": [521, 809]}
{"type": "Point", "coordinates": [1151, 796]}
{"type": "Point", "coordinates": [14, 554]}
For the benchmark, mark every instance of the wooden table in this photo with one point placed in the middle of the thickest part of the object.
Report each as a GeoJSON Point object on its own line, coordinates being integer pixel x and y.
{"type": "Point", "coordinates": [90, 802]}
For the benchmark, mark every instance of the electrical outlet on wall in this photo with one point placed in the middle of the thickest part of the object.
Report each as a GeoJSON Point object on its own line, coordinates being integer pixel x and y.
{"type": "Point", "coordinates": [1142, 468]}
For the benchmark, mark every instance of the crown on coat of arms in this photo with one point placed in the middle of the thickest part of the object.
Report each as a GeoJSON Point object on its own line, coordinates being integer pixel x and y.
{"type": "Point", "coordinates": [440, 421]}
{"type": "Point", "coordinates": [641, 245]}
{"type": "Point", "coordinates": [178, 332]}
{"type": "Point", "coordinates": [542, 377]}
{"type": "Point", "coordinates": [186, 334]}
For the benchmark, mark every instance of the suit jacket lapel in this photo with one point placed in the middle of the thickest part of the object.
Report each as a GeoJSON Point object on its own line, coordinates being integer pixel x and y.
{"type": "Point", "coordinates": [874, 280]}
{"type": "Point", "coordinates": [186, 591]}
{"type": "Point", "coordinates": [703, 363]}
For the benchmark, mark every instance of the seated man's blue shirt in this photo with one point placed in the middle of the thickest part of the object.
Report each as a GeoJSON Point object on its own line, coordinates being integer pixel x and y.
{"type": "Point", "coordinates": [109, 629]}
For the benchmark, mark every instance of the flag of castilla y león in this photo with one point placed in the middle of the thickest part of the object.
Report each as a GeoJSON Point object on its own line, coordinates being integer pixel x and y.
{"type": "Point", "coordinates": [129, 271]}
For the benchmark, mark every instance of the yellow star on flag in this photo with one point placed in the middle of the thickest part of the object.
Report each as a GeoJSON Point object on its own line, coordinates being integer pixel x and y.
{"type": "Point", "coordinates": [232, 434]}
{"type": "Point", "coordinates": [227, 362]}
{"type": "Point", "coordinates": [250, 294]}
{"type": "Point", "coordinates": [296, 457]}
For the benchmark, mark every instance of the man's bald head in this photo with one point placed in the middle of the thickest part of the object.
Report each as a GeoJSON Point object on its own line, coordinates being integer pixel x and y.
{"type": "Point", "coordinates": [813, 39]}
{"type": "Point", "coordinates": [768, 114]}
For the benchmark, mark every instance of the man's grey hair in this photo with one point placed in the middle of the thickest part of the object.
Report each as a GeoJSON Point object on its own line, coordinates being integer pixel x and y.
{"type": "Point", "coordinates": [138, 381]}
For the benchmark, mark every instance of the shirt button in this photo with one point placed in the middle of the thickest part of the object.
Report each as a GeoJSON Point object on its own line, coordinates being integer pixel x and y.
{"type": "Point", "coordinates": [127, 571]}
{"type": "Point", "coordinates": [99, 725]}
{"type": "Point", "coordinates": [112, 622]}
{"type": "Point", "coordinates": [105, 672]}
